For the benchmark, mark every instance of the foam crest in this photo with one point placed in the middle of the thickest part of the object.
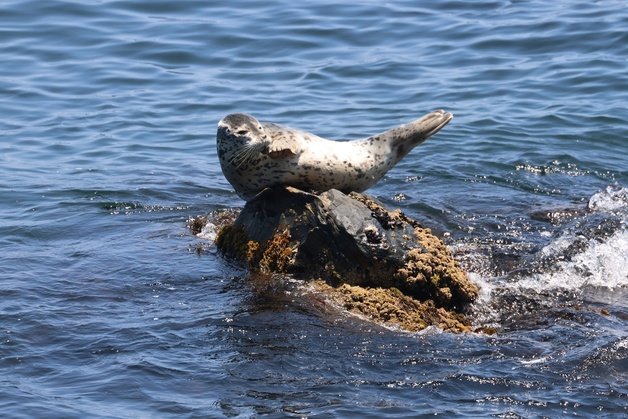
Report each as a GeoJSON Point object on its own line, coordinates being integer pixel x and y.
{"type": "Point", "coordinates": [611, 199]}
{"type": "Point", "coordinates": [600, 264]}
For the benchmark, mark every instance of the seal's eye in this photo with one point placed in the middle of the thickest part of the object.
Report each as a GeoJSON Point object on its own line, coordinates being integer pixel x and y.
{"type": "Point", "coordinates": [242, 132]}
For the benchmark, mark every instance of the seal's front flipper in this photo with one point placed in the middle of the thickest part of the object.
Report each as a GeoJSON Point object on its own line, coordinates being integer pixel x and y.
{"type": "Point", "coordinates": [282, 147]}
{"type": "Point", "coordinates": [281, 141]}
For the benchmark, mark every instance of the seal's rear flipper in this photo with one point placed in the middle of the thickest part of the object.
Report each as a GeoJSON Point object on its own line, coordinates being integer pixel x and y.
{"type": "Point", "coordinates": [404, 138]}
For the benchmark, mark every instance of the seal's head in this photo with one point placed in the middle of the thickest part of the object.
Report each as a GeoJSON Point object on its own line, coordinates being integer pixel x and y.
{"type": "Point", "coordinates": [240, 138]}
{"type": "Point", "coordinates": [239, 128]}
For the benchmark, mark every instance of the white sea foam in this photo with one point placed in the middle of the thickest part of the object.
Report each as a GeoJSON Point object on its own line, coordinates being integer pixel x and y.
{"type": "Point", "coordinates": [560, 244]}
{"type": "Point", "coordinates": [208, 232]}
{"type": "Point", "coordinates": [485, 284]}
{"type": "Point", "coordinates": [601, 264]}
{"type": "Point", "coordinates": [611, 199]}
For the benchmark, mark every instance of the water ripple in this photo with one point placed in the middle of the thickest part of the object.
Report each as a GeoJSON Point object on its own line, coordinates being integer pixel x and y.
{"type": "Point", "coordinates": [107, 147]}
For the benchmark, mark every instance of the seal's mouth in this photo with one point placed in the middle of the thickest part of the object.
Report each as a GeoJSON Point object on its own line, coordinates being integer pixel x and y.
{"type": "Point", "coordinates": [435, 121]}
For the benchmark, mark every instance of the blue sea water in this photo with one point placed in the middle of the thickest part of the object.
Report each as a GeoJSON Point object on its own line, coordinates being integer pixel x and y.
{"type": "Point", "coordinates": [110, 307]}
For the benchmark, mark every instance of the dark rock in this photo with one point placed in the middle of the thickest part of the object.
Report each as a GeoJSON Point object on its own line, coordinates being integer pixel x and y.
{"type": "Point", "coordinates": [348, 240]}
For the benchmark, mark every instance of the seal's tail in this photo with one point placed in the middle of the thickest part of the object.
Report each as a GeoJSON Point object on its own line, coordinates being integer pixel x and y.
{"type": "Point", "coordinates": [404, 138]}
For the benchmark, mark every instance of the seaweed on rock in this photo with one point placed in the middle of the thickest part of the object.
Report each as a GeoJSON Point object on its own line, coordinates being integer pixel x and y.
{"type": "Point", "coordinates": [375, 262]}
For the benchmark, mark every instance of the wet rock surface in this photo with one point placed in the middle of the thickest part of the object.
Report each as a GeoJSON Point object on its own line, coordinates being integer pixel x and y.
{"type": "Point", "coordinates": [371, 261]}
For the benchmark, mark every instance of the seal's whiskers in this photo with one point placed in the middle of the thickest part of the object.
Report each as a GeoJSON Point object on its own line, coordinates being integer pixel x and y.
{"type": "Point", "coordinates": [245, 154]}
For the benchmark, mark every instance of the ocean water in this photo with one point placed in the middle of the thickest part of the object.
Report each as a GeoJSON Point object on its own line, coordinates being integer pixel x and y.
{"type": "Point", "coordinates": [110, 307]}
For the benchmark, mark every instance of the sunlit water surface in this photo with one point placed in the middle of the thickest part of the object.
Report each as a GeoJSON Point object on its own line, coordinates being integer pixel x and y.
{"type": "Point", "coordinates": [110, 307]}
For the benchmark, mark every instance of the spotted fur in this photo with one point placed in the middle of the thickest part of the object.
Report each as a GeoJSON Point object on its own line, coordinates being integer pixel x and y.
{"type": "Point", "coordinates": [256, 155]}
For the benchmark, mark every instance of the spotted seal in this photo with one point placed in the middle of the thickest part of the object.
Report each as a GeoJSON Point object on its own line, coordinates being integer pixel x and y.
{"type": "Point", "coordinates": [256, 155]}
